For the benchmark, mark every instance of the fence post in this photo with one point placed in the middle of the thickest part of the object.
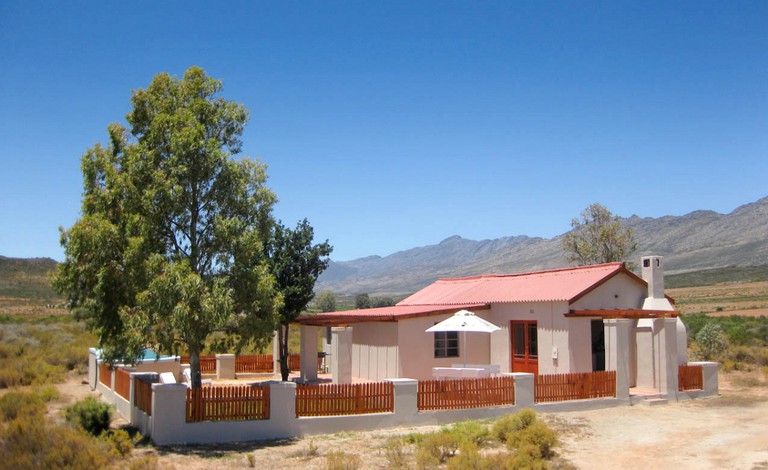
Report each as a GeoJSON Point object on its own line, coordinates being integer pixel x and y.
{"type": "Point", "coordinates": [282, 409]}
{"type": "Point", "coordinates": [525, 389]}
{"type": "Point", "coordinates": [225, 366]}
{"type": "Point", "coordinates": [617, 352]}
{"type": "Point", "coordinates": [169, 409]}
{"type": "Point", "coordinates": [709, 376]}
{"type": "Point", "coordinates": [667, 360]}
{"type": "Point", "coordinates": [93, 365]}
{"type": "Point", "coordinates": [406, 398]}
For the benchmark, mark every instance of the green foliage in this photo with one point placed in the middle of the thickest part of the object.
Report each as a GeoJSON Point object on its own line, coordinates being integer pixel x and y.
{"type": "Point", "coordinates": [535, 440]}
{"type": "Point", "coordinates": [377, 302]}
{"type": "Point", "coordinates": [326, 301]}
{"type": "Point", "coordinates": [170, 245]}
{"type": "Point", "coordinates": [32, 443]}
{"type": "Point", "coordinates": [362, 301]}
{"type": "Point", "coordinates": [510, 424]}
{"type": "Point", "coordinates": [120, 441]}
{"type": "Point", "coordinates": [711, 341]}
{"type": "Point", "coordinates": [599, 237]}
{"type": "Point", "coordinates": [15, 405]}
{"type": "Point", "coordinates": [396, 452]}
{"type": "Point", "coordinates": [89, 414]}
{"type": "Point", "coordinates": [41, 351]}
{"type": "Point", "coordinates": [295, 262]}
{"type": "Point", "coordinates": [29, 279]}
{"type": "Point", "coordinates": [340, 460]}
{"type": "Point", "coordinates": [470, 431]}
{"type": "Point", "coordinates": [436, 448]}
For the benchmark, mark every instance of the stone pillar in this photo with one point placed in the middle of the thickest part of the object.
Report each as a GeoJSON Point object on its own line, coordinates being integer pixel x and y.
{"type": "Point", "coordinates": [525, 389]}
{"type": "Point", "coordinates": [169, 409]}
{"type": "Point", "coordinates": [617, 352]}
{"type": "Point", "coordinates": [93, 367]}
{"type": "Point", "coordinates": [341, 355]}
{"type": "Point", "coordinates": [667, 366]}
{"type": "Point", "coordinates": [406, 398]}
{"type": "Point", "coordinates": [709, 371]}
{"type": "Point", "coordinates": [282, 409]}
{"type": "Point", "coordinates": [308, 352]}
{"type": "Point", "coordinates": [225, 366]}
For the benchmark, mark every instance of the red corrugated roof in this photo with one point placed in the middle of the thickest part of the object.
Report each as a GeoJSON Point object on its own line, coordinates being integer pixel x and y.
{"type": "Point", "coordinates": [397, 312]}
{"type": "Point", "coordinates": [545, 286]}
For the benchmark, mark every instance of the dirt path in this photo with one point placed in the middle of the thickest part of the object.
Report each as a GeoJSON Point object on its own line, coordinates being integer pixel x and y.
{"type": "Point", "coordinates": [729, 431]}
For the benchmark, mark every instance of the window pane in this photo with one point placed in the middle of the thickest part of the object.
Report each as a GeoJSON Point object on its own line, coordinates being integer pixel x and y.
{"type": "Point", "coordinates": [518, 334]}
{"type": "Point", "coordinates": [533, 346]}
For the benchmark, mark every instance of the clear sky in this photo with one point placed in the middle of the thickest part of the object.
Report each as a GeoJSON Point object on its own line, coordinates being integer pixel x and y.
{"type": "Point", "coordinates": [391, 125]}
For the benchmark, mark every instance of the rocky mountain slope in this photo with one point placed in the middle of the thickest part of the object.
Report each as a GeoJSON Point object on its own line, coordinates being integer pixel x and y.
{"type": "Point", "coordinates": [699, 240]}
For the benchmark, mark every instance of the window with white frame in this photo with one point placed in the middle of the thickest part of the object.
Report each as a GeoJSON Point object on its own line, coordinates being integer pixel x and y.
{"type": "Point", "coordinates": [446, 344]}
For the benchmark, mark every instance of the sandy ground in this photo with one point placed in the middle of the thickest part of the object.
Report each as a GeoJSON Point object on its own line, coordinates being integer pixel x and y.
{"type": "Point", "coordinates": [729, 431]}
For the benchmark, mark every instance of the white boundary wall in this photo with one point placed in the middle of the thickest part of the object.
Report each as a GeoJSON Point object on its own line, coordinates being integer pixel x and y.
{"type": "Point", "coordinates": [168, 425]}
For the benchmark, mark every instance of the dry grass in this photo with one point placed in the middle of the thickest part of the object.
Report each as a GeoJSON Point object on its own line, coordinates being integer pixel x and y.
{"type": "Point", "coordinates": [722, 299]}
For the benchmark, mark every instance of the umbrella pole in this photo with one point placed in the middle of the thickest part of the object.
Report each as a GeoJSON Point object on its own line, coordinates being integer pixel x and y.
{"type": "Point", "coordinates": [464, 333]}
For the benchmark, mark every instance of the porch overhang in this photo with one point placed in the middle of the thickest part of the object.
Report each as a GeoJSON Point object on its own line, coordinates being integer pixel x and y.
{"type": "Point", "coordinates": [383, 314]}
{"type": "Point", "coordinates": [631, 314]}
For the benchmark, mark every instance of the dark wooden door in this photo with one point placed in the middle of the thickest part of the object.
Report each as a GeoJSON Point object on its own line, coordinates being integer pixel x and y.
{"type": "Point", "coordinates": [525, 349]}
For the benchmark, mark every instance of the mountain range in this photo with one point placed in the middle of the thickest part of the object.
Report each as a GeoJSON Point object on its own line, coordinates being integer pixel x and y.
{"type": "Point", "coordinates": [696, 241]}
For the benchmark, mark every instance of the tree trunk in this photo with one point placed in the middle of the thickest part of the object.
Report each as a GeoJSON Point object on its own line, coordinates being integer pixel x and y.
{"type": "Point", "coordinates": [194, 369]}
{"type": "Point", "coordinates": [282, 338]}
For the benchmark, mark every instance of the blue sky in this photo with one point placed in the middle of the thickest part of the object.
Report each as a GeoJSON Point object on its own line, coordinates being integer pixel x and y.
{"type": "Point", "coordinates": [391, 125]}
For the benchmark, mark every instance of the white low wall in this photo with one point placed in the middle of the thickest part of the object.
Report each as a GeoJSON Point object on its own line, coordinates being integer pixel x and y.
{"type": "Point", "coordinates": [168, 425]}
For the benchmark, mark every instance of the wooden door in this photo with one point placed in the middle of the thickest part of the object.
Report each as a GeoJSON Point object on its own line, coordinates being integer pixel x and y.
{"type": "Point", "coordinates": [525, 349]}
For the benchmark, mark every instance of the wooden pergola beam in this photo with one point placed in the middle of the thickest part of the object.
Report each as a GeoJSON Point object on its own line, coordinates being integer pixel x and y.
{"type": "Point", "coordinates": [622, 313]}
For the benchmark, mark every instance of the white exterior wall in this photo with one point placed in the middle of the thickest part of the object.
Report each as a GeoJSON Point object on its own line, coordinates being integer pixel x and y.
{"type": "Point", "coordinates": [417, 347]}
{"type": "Point", "coordinates": [375, 350]}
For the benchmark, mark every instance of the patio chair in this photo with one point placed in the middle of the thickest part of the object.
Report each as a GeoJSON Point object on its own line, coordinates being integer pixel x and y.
{"type": "Point", "coordinates": [187, 375]}
{"type": "Point", "coordinates": [167, 378]}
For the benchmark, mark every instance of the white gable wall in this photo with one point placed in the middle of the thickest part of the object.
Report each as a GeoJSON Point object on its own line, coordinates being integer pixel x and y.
{"type": "Point", "coordinates": [375, 350]}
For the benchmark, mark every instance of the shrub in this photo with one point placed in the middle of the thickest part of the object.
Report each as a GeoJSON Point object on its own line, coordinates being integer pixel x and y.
{"type": "Point", "coordinates": [49, 393]}
{"type": "Point", "coordinates": [120, 441]}
{"type": "Point", "coordinates": [30, 443]}
{"type": "Point", "coordinates": [20, 404]}
{"type": "Point", "coordinates": [536, 440]}
{"type": "Point", "coordinates": [712, 341]}
{"type": "Point", "coordinates": [396, 453]}
{"type": "Point", "coordinates": [512, 423]}
{"type": "Point", "coordinates": [436, 448]}
{"type": "Point", "coordinates": [340, 460]}
{"type": "Point", "coordinates": [470, 431]}
{"type": "Point", "coordinates": [89, 414]}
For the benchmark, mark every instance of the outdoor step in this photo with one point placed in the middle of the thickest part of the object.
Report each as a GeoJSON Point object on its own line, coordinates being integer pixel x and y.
{"type": "Point", "coordinates": [653, 401]}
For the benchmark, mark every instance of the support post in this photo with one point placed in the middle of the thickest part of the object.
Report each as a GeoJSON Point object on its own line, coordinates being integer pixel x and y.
{"type": "Point", "coordinates": [225, 366]}
{"type": "Point", "coordinates": [341, 357]}
{"type": "Point", "coordinates": [617, 352]}
{"type": "Point", "coordinates": [309, 356]}
{"type": "Point", "coordinates": [525, 389]}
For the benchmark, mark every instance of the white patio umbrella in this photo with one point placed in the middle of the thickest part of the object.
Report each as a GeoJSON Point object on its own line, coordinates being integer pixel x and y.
{"type": "Point", "coordinates": [464, 321]}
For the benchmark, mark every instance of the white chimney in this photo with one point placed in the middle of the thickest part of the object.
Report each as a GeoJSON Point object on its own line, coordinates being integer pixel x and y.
{"type": "Point", "coordinates": [653, 274]}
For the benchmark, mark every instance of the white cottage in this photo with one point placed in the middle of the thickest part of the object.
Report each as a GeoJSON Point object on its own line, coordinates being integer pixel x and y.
{"type": "Point", "coordinates": [579, 319]}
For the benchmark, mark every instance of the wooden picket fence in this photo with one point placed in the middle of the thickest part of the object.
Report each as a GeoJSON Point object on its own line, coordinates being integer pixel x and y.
{"type": "Point", "coordinates": [344, 399]}
{"type": "Point", "coordinates": [105, 375]}
{"type": "Point", "coordinates": [207, 363]}
{"type": "Point", "coordinates": [690, 377]}
{"type": "Point", "coordinates": [123, 383]}
{"type": "Point", "coordinates": [228, 403]}
{"type": "Point", "coordinates": [575, 386]}
{"type": "Point", "coordinates": [142, 395]}
{"type": "Point", "coordinates": [465, 393]}
{"type": "Point", "coordinates": [254, 363]}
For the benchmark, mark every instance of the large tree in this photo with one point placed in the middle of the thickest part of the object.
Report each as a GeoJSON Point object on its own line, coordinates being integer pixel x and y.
{"type": "Point", "coordinates": [295, 263]}
{"type": "Point", "coordinates": [598, 237]}
{"type": "Point", "coordinates": [170, 245]}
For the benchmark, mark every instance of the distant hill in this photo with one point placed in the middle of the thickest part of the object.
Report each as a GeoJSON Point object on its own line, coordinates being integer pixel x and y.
{"type": "Point", "coordinates": [28, 278]}
{"type": "Point", "coordinates": [697, 241]}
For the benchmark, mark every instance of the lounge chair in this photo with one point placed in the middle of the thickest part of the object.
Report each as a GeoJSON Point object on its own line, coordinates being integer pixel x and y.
{"type": "Point", "coordinates": [187, 375]}
{"type": "Point", "coordinates": [167, 378]}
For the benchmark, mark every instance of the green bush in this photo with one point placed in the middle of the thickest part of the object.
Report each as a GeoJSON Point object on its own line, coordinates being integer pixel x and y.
{"type": "Point", "coordinates": [120, 441]}
{"type": "Point", "coordinates": [19, 404]}
{"type": "Point", "coordinates": [31, 443]}
{"type": "Point", "coordinates": [711, 341]}
{"type": "Point", "coordinates": [90, 414]}
{"type": "Point", "coordinates": [536, 440]}
{"type": "Point", "coordinates": [512, 423]}
{"type": "Point", "coordinates": [436, 448]}
{"type": "Point", "coordinates": [472, 431]}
